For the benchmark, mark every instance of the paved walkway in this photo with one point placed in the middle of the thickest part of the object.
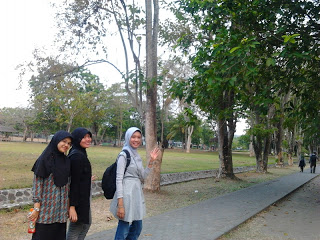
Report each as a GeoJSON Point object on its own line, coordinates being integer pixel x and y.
{"type": "Point", "coordinates": [210, 219]}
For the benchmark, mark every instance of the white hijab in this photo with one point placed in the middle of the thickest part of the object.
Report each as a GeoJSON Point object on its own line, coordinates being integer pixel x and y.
{"type": "Point", "coordinates": [133, 151]}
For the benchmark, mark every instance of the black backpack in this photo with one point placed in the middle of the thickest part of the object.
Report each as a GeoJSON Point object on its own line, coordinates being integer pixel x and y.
{"type": "Point", "coordinates": [108, 183]}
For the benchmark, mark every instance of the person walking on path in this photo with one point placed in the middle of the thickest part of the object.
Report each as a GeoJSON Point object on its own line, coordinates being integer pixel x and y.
{"type": "Point", "coordinates": [128, 204]}
{"type": "Point", "coordinates": [80, 188]}
{"type": "Point", "coordinates": [50, 189]}
{"type": "Point", "coordinates": [313, 162]}
{"type": "Point", "coordinates": [302, 162]}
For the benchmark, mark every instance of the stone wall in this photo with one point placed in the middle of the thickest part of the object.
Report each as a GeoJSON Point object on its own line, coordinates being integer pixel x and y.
{"type": "Point", "coordinates": [20, 197]}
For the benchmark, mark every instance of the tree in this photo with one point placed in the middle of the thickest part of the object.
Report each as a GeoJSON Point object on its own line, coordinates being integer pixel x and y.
{"type": "Point", "coordinates": [178, 128]}
{"type": "Point", "coordinates": [88, 21]}
{"type": "Point", "coordinates": [21, 119]}
{"type": "Point", "coordinates": [118, 107]}
{"type": "Point", "coordinates": [95, 102]}
{"type": "Point", "coordinates": [179, 71]}
{"type": "Point", "coordinates": [283, 36]}
{"type": "Point", "coordinates": [64, 95]}
{"type": "Point", "coordinates": [222, 54]}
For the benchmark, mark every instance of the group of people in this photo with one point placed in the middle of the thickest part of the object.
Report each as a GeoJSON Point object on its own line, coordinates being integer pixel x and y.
{"type": "Point", "coordinates": [62, 187]}
{"type": "Point", "coordinates": [312, 161]}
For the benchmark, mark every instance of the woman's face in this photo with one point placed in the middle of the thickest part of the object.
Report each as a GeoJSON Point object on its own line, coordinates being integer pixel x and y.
{"type": "Point", "coordinates": [64, 145]}
{"type": "Point", "coordinates": [86, 141]}
{"type": "Point", "coordinates": [135, 140]}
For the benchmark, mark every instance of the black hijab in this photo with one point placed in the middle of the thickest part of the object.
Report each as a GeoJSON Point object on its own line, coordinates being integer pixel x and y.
{"type": "Point", "coordinates": [77, 135]}
{"type": "Point", "coordinates": [53, 161]}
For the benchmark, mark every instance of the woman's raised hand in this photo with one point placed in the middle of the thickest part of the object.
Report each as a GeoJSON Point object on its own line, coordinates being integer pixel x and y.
{"type": "Point", "coordinates": [153, 155]}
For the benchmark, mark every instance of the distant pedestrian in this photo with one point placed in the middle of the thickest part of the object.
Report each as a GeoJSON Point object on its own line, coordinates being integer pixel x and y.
{"type": "Point", "coordinates": [50, 189]}
{"type": "Point", "coordinates": [313, 162]}
{"type": "Point", "coordinates": [302, 162]}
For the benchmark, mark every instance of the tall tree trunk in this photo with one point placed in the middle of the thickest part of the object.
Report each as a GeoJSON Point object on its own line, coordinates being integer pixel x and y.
{"type": "Point", "coordinates": [279, 138]}
{"type": "Point", "coordinates": [251, 147]}
{"type": "Point", "coordinates": [280, 131]}
{"type": "Point", "coordinates": [226, 130]}
{"type": "Point", "coordinates": [25, 132]}
{"type": "Point", "coordinates": [152, 25]}
{"type": "Point", "coordinates": [291, 147]}
{"type": "Point", "coordinates": [31, 136]}
{"type": "Point", "coordinates": [188, 143]}
{"type": "Point", "coordinates": [257, 142]}
{"type": "Point", "coordinates": [267, 143]}
{"type": "Point", "coordinates": [262, 141]}
{"type": "Point", "coordinates": [251, 150]}
{"type": "Point", "coordinates": [261, 149]}
{"type": "Point", "coordinates": [257, 145]}
{"type": "Point", "coordinates": [225, 151]}
{"type": "Point", "coordinates": [102, 135]}
{"type": "Point", "coordinates": [299, 142]}
{"type": "Point", "coordinates": [94, 131]}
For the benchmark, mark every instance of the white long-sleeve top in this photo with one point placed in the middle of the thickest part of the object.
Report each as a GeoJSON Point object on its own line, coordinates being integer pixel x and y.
{"type": "Point", "coordinates": [136, 171]}
{"type": "Point", "coordinates": [129, 187]}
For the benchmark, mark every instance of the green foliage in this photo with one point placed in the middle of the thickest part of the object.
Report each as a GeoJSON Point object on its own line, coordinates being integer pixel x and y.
{"type": "Point", "coordinates": [260, 130]}
{"type": "Point", "coordinates": [265, 48]}
{"type": "Point", "coordinates": [242, 142]}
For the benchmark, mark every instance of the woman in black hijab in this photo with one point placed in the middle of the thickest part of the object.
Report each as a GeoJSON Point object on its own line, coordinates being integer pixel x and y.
{"type": "Point", "coordinates": [51, 189]}
{"type": "Point", "coordinates": [80, 189]}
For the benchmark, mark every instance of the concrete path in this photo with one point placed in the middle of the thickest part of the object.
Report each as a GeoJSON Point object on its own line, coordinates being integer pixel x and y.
{"type": "Point", "coordinates": [295, 217]}
{"type": "Point", "coordinates": [212, 218]}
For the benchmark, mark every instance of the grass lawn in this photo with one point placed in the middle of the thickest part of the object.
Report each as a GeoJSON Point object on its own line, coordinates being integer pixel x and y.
{"type": "Point", "coordinates": [17, 159]}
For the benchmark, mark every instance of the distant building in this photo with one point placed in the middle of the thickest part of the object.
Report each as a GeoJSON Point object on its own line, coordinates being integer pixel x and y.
{"type": "Point", "coordinates": [6, 132]}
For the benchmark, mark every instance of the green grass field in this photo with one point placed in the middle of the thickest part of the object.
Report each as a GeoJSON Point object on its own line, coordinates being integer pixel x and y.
{"type": "Point", "coordinates": [17, 159]}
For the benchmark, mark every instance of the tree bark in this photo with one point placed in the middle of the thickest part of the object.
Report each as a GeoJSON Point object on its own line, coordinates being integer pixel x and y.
{"type": "Point", "coordinates": [291, 147]}
{"type": "Point", "coordinates": [225, 150]}
{"type": "Point", "coordinates": [152, 25]}
{"type": "Point", "coordinates": [188, 143]}
{"type": "Point", "coordinates": [25, 132]}
{"type": "Point", "coordinates": [279, 138]}
{"type": "Point", "coordinates": [262, 141]}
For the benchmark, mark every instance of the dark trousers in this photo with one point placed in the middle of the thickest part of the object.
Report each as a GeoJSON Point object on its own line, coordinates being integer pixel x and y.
{"type": "Point", "coordinates": [301, 168]}
{"type": "Point", "coordinates": [313, 168]}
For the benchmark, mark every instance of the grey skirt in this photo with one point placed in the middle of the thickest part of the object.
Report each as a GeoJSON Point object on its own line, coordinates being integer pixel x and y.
{"type": "Point", "coordinates": [133, 199]}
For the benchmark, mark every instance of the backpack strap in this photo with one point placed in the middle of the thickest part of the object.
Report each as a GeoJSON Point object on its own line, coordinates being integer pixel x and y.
{"type": "Point", "coordinates": [128, 159]}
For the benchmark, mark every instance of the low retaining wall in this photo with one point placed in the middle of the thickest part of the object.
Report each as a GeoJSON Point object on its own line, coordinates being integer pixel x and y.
{"type": "Point", "coordinates": [20, 197]}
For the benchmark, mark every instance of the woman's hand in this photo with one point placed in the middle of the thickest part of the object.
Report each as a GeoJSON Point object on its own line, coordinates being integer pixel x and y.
{"type": "Point", "coordinates": [73, 216]}
{"type": "Point", "coordinates": [121, 212]}
{"type": "Point", "coordinates": [33, 216]}
{"type": "Point", "coordinates": [93, 178]}
{"type": "Point", "coordinates": [153, 156]}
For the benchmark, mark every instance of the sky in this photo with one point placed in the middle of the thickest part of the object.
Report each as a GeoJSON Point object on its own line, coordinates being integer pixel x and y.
{"type": "Point", "coordinates": [26, 25]}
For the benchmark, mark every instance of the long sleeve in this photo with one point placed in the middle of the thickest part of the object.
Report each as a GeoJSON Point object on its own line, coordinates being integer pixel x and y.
{"type": "Point", "coordinates": [37, 189]}
{"type": "Point", "coordinates": [75, 187]}
{"type": "Point", "coordinates": [53, 200]}
{"type": "Point", "coordinates": [121, 165]}
{"type": "Point", "coordinates": [146, 172]}
{"type": "Point", "coordinates": [80, 188]}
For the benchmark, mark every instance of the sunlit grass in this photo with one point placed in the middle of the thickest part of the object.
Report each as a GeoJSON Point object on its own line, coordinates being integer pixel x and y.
{"type": "Point", "coordinates": [17, 159]}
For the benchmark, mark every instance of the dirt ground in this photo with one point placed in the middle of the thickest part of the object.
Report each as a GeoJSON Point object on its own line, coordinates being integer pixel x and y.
{"type": "Point", "coordinates": [13, 225]}
{"type": "Point", "coordinates": [296, 217]}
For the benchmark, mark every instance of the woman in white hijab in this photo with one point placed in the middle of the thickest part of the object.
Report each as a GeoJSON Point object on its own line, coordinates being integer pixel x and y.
{"type": "Point", "coordinates": [128, 203]}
